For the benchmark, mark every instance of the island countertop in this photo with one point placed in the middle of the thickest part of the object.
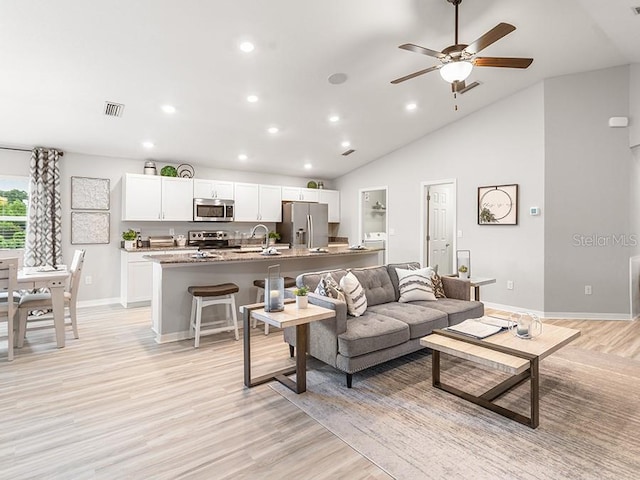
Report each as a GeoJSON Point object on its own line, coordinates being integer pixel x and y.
{"type": "Point", "coordinates": [231, 255]}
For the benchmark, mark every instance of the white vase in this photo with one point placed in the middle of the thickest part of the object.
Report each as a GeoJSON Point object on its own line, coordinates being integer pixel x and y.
{"type": "Point", "coordinates": [463, 275]}
{"type": "Point", "coordinates": [302, 301]}
{"type": "Point", "coordinates": [129, 244]}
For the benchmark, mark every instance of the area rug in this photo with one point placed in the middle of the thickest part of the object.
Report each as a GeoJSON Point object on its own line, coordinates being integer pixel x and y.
{"type": "Point", "coordinates": [589, 418]}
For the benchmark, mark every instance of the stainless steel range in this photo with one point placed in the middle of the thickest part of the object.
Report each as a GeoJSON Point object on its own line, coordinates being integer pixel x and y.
{"type": "Point", "coordinates": [210, 239]}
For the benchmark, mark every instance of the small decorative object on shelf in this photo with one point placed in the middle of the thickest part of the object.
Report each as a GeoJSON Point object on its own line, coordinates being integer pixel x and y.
{"type": "Point", "coordinates": [320, 184]}
{"type": "Point", "coordinates": [129, 238]}
{"type": "Point", "coordinates": [302, 301]}
{"type": "Point", "coordinates": [150, 168]}
{"type": "Point", "coordinates": [186, 171]}
{"type": "Point", "coordinates": [463, 271]}
{"type": "Point", "coordinates": [312, 184]}
{"type": "Point", "coordinates": [168, 171]}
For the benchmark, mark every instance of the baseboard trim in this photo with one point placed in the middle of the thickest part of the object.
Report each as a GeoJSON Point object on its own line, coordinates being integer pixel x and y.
{"type": "Point", "coordinates": [564, 315]}
{"type": "Point", "coordinates": [99, 302]}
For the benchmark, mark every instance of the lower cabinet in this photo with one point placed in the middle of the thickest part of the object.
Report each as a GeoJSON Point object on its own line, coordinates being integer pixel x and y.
{"type": "Point", "coordinates": [136, 276]}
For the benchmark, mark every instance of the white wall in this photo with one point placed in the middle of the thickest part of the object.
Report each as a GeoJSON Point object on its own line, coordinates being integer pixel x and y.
{"type": "Point", "coordinates": [501, 144]}
{"type": "Point", "coordinates": [102, 262]}
{"type": "Point", "coordinates": [587, 193]}
{"type": "Point", "coordinates": [634, 105]}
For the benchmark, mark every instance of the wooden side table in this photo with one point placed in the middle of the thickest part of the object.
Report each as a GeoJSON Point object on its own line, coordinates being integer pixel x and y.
{"type": "Point", "coordinates": [289, 317]}
{"type": "Point", "coordinates": [477, 282]}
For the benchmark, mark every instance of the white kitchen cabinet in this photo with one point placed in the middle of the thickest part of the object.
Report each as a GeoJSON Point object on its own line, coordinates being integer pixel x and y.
{"type": "Point", "coordinates": [331, 198]}
{"type": "Point", "coordinates": [212, 189]}
{"type": "Point", "coordinates": [153, 197]}
{"type": "Point", "coordinates": [297, 194]}
{"type": "Point", "coordinates": [136, 276]}
{"type": "Point", "coordinates": [254, 202]}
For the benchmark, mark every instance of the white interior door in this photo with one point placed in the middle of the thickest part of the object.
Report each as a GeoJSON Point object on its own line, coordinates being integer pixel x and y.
{"type": "Point", "coordinates": [440, 224]}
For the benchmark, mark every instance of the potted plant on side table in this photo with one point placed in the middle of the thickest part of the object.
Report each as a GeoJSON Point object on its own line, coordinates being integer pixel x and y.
{"type": "Point", "coordinates": [463, 272]}
{"type": "Point", "coordinates": [302, 301]}
{"type": "Point", "coordinates": [129, 238]}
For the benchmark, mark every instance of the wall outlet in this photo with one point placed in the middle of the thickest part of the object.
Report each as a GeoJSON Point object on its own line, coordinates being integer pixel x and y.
{"type": "Point", "coordinates": [509, 284]}
{"type": "Point", "coordinates": [172, 231]}
{"type": "Point", "coordinates": [587, 289]}
{"type": "Point", "coordinates": [459, 233]}
{"type": "Point", "coordinates": [88, 280]}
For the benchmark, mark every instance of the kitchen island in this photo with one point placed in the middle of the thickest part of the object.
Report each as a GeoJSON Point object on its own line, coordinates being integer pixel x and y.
{"type": "Point", "coordinates": [172, 274]}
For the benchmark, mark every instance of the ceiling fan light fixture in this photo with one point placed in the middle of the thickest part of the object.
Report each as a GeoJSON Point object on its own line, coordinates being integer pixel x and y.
{"type": "Point", "coordinates": [456, 71]}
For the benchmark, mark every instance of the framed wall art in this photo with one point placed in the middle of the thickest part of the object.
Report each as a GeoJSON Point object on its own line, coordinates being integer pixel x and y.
{"type": "Point", "coordinates": [89, 193]}
{"type": "Point", "coordinates": [89, 227]}
{"type": "Point", "coordinates": [498, 205]}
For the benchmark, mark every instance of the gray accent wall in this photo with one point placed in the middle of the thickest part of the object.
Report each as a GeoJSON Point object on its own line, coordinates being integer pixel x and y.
{"type": "Point", "coordinates": [501, 144]}
{"type": "Point", "coordinates": [587, 193]}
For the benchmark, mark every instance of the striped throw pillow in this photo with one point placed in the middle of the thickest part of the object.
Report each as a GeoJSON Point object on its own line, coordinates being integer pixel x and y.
{"type": "Point", "coordinates": [415, 284]}
{"type": "Point", "coordinates": [354, 295]}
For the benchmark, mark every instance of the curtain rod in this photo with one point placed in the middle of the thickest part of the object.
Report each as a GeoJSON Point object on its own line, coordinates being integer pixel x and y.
{"type": "Point", "coordinates": [24, 150]}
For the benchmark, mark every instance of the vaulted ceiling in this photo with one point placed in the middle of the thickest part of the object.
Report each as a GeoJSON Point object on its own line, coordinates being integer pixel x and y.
{"type": "Point", "coordinates": [60, 61]}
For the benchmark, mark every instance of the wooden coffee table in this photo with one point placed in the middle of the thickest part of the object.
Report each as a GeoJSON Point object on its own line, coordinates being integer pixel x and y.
{"type": "Point", "coordinates": [506, 353]}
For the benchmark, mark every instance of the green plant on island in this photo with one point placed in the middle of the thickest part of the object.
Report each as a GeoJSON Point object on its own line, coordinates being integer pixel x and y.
{"type": "Point", "coordinates": [129, 235]}
{"type": "Point", "coordinates": [274, 235]}
{"type": "Point", "coordinates": [301, 291]}
{"type": "Point", "coordinates": [486, 216]}
{"type": "Point", "coordinates": [463, 269]}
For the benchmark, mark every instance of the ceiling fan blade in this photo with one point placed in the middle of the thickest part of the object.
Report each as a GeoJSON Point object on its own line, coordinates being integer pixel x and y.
{"type": "Point", "coordinates": [418, 49]}
{"type": "Point", "coordinates": [415, 74]}
{"type": "Point", "coordinates": [502, 62]}
{"type": "Point", "coordinates": [468, 87]}
{"type": "Point", "coordinates": [493, 35]}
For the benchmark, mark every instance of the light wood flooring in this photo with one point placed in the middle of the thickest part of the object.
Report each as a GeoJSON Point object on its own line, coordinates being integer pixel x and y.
{"type": "Point", "coordinates": [114, 404]}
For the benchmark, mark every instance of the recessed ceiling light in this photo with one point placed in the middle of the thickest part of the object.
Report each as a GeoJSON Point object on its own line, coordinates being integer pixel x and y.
{"type": "Point", "coordinates": [273, 130]}
{"type": "Point", "coordinates": [168, 109]}
{"type": "Point", "coordinates": [337, 78]}
{"type": "Point", "coordinates": [242, 157]}
{"type": "Point", "coordinates": [247, 47]}
{"type": "Point", "coordinates": [148, 144]}
{"type": "Point", "coordinates": [334, 118]}
{"type": "Point", "coordinates": [411, 106]}
{"type": "Point", "coordinates": [308, 166]}
{"type": "Point", "coordinates": [252, 98]}
{"type": "Point", "coordinates": [345, 144]}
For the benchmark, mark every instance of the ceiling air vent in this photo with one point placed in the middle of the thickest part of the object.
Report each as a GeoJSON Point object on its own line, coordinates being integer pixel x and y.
{"type": "Point", "coordinates": [348, 152]}
{"type": "Point", "coordinates": [112, 109]}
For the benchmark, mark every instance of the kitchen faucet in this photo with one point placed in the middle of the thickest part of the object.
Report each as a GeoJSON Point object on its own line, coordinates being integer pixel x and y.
{"type": "Point", "coordinates": [266, 234]}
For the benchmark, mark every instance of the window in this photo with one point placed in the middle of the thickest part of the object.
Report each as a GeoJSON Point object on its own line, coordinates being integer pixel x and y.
{"type": "Point", "coordinates": [14, 200]}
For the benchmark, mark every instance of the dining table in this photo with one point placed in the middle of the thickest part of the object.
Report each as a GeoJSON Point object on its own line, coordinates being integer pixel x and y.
{"type": "Point", "coordinates": [54, 279]}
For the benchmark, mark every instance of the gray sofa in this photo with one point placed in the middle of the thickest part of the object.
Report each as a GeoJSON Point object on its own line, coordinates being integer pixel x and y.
{"type": "Point", "coordinates": [388, 329]}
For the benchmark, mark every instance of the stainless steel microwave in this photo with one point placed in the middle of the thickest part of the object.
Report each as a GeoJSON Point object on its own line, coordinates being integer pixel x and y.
{"type": "Point", "coordinates": [212, 210]}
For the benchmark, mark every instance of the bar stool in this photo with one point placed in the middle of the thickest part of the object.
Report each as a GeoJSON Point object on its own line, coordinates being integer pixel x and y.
{"type": "Point", "coordinates": [205, 296]}
{"type": "Point", "coordinates": [288, 283]}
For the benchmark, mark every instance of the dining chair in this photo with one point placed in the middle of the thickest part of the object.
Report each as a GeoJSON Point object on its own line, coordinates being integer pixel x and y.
{"type": "Point", "coordinates": [8, 288]}
{"type": "Point", "coordinates": [40, 301]}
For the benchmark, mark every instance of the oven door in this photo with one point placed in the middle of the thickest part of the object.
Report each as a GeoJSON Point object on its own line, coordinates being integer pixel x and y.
{"type": "Point", "coordinates": [209, 210]}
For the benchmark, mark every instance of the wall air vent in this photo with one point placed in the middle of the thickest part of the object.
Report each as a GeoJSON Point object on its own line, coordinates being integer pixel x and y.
{"type": "Point", "coordinates": [112, 109]}
{"type": "Point", "coordinates": [348, 152]}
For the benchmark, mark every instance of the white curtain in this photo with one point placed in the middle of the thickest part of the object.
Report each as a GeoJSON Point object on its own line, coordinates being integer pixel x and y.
{"type": "Point", "coordinates": [43, 244]}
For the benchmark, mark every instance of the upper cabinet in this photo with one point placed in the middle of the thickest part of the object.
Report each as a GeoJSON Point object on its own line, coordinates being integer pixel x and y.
{"type": "Point", "coordinates": [331, 198]}
{"type": "Point", "coordinates": [152, 197]}
{"type": "Point", "coordinates": [255, 202]}
{"type": "Point", "coordinates": [297, 194]}
{"type": "Point", "coordinates": [212, 189]}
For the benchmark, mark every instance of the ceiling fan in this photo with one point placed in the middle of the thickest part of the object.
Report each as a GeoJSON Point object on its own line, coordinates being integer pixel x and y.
{"type": "Point", "coordinates": [458, 60]}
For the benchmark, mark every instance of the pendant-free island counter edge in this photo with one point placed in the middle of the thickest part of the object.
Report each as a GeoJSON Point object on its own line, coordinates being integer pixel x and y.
{"type": "Point", "coordinates": [173, 274]}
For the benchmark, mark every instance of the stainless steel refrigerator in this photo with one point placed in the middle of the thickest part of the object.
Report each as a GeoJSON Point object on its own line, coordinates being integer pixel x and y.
{"type": "Point", "coordinates": [304, 224]}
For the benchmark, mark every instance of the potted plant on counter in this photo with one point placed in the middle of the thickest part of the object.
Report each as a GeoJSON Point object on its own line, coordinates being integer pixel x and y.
{"type": "Point", "coordinates": [273, 237]}
{"type": "Point", "coordinates": [302, 301]}
{"type": "Point", "coordinates": [463, 271]}
{"type": "Point", "coordinates": [129, 238]}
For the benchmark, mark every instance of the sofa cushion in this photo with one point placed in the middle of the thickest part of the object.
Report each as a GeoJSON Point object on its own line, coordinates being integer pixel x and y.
{"type": "Point", "coordinates": [376, 283]}
{"type": "Point", "coordinates": [391, 268]}
{"type": "Point", "coordinates": [312, 279]}
{"type": "Point", "coordinates": [457, 310]}
{"type": "Point", "coordinates": [436, 285]}
{"type": "Point", "coordinates": [354, 295]}
{"type": "Point", "coordinates": [421, 320]}
{"type": "Point", "coordinates": [371, 332]}
{"type": "Point", "coordinates": [415, 284]}
{"type": "Point", "coordinates": [328, 287]}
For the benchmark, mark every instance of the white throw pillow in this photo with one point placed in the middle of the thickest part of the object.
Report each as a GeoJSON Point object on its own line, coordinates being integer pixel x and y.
{"type": "Point", "coordinates": [328, 287]}
{"type": "Point", "coordinates": [415, 284]}
{"type": "Point", "coordinates": [354, 295]}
